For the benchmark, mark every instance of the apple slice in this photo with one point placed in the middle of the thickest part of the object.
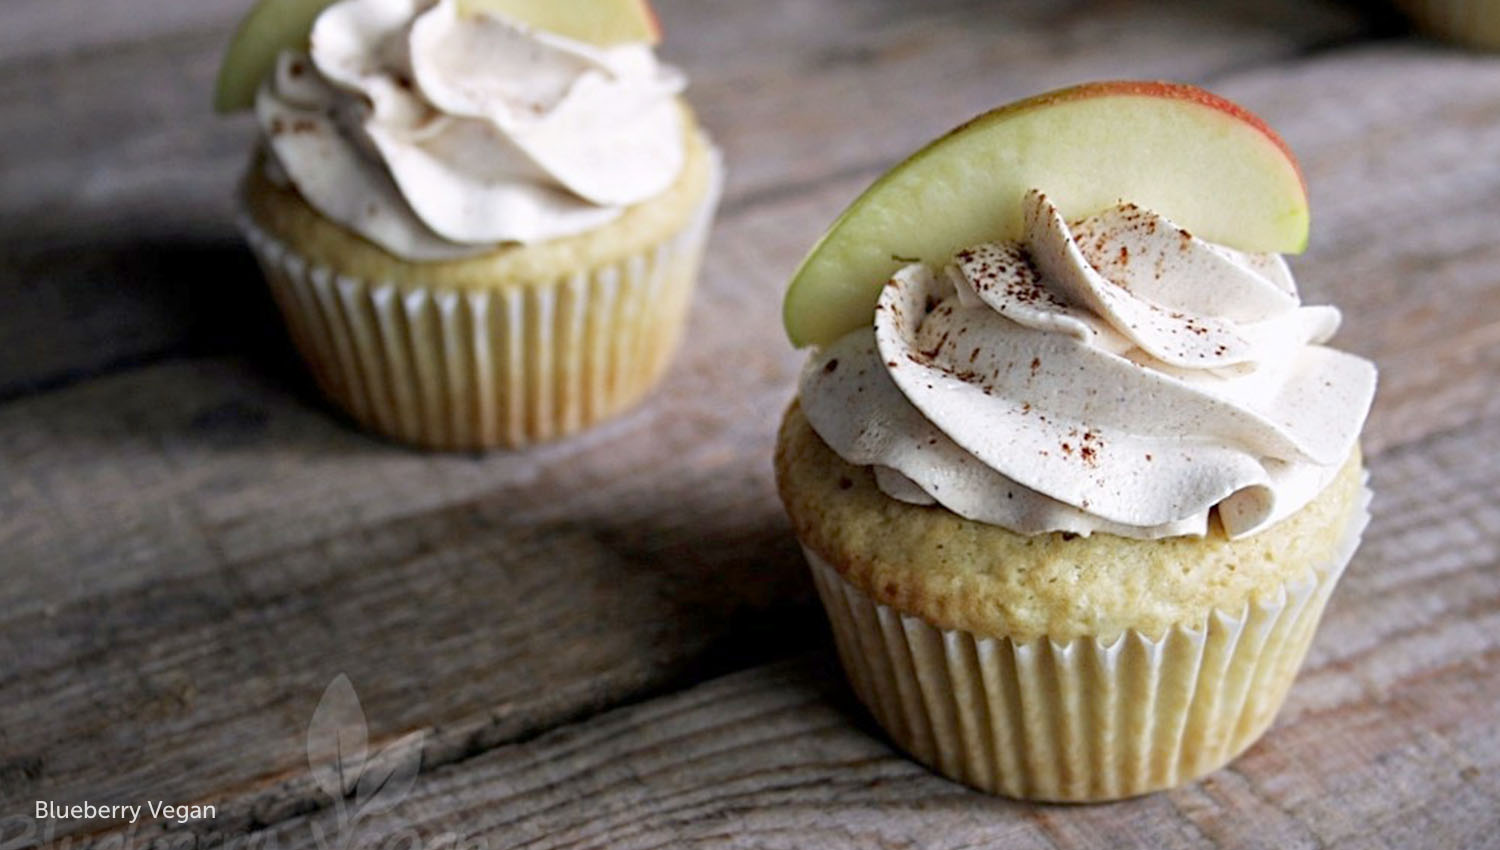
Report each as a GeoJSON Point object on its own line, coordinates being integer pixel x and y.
{"type": "Point", "coordinates": [601, 22]}
{"type": "Point", "coordinates": [275, 25]}
{"type": "Point", "coordinates": [1196, 158]}
{"type": "Point", "coordinates": [270, 27]}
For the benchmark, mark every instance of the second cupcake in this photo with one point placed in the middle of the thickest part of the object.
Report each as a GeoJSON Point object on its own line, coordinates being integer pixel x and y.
{"type": "Point", "coordinates": [481, 232]}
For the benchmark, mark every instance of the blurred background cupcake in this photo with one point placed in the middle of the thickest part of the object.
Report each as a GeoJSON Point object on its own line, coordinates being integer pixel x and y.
{"type": "Point", "coordinates": [482, 222]}
{"type": "Point", "coordinates": [1475, 23]}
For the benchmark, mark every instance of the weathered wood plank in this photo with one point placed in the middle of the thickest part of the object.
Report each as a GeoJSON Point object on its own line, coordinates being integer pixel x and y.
{"type": "Point", "coordinates": [116, 242]}
{"type": "Point", "coordinates": [1387, 739]}
{"type": "Point", "coordinates": [151, 648]}
{"type": "Point", "coordinates": [1395, 144]}
{"type": "Point", "coordinates": [44, 30]}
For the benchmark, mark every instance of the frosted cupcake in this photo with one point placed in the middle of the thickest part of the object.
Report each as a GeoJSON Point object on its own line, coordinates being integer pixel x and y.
{"type": "Point", "coordinates": [480, 232]}
{"type": "Point", "coordinates": [1074, 496]}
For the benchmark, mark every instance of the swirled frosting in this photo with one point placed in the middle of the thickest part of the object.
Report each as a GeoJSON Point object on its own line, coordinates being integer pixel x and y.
{"type": "Point", "coordinates": [437, 134]}
{"type": "Point", "coordinates": [1116, 374]}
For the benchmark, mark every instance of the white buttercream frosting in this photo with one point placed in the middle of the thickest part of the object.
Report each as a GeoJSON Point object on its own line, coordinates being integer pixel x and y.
{"type": "Point", "coordinates": [438, 134]}
{"type": "Point", "coordinates": [1116, 374]}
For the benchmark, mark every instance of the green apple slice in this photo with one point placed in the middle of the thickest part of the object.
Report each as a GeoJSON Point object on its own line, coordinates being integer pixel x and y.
{"type": "Point", "coordinates": [601, 22]}
{"type": "Point", "coordinates": [270, 27]}
{"type": "Point", "coordinates": [1196, 158]}
{"type": "Point", "coordinates": [275, 25]}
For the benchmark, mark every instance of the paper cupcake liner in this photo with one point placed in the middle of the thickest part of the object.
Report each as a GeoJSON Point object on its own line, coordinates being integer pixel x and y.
{"type": "Point", "coordinates": [1472, 22]}
{"type": "Point", "coordinates": [1081, 720]}
{"type": "Point", "coordinates": [523, 362]}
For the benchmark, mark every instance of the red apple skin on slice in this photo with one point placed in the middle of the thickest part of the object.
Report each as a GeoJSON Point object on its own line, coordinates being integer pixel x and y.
{"type": "Point", "coordinates": [1197, 158]}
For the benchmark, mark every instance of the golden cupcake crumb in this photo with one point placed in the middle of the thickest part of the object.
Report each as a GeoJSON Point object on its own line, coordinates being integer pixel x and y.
{"type": "Point", "coordinates": [960, 574]}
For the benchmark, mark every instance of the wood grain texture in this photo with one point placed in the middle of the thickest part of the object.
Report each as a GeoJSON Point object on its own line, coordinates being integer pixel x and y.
{"type": "Point", "coordinates": [1387, 738]}
{"type": "Point", "coordinates": [116, 242]}
{"type": "Point", "coordinates": [46, 30]}
{"type": "Point", "coordinates": [221, 569]}
{"type": "Point", "coordinates": [193, 546]}
{"type": "Point", "coordinates": [1403, 219]}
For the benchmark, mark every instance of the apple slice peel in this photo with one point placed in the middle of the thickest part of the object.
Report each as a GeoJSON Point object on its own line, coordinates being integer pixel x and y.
{"type": "Point", "coordinates": [1187, 154]}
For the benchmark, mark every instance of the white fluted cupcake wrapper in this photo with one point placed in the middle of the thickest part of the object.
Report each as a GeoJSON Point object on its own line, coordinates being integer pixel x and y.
{"type": "Point", "coordinates": [519, 363]}
{"type": "Point", "coordinates": [1082, 720]}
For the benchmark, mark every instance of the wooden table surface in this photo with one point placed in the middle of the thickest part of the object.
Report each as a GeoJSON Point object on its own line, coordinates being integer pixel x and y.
{"type": "Point", "coordinates": [612, 641]}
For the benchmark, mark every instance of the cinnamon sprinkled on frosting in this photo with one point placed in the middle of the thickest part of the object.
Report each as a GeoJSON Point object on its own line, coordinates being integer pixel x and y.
{"type": "Point", "coordinates": [1113, 374]}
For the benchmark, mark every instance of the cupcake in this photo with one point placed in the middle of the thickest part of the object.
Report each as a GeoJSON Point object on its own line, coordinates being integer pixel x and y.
{"type": "Point", "coordinates": [1475, 23]}
{"type": "Point", "coordinates": [482, 229]}
{"type": "Point", "coordinates": [1074, 493]}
